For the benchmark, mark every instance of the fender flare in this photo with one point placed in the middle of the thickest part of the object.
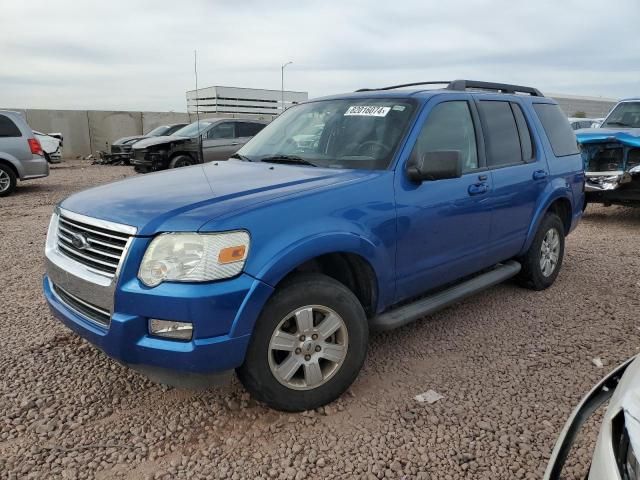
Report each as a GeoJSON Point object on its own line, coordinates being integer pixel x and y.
{"type": "Point", "coordinates": [13, 162]}
{"type": "Point", "coordinates": [554, 192]}
{"type": "Point", "coordinates": [319, 244]}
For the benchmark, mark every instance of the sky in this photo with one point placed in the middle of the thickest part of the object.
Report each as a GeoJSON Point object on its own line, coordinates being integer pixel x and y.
{"type": "Point", "coordinates": [139, 54]}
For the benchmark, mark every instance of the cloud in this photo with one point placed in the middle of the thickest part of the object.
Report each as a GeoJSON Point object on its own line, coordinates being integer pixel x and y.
{"type": "Point", "coordinates": [139, 55]}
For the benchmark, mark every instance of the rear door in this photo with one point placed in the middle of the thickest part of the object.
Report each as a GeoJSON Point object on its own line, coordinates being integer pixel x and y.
{"type": "Point", "coordinates": [519, 171]}
{"type": "Point", "coordinates": [220, 141]}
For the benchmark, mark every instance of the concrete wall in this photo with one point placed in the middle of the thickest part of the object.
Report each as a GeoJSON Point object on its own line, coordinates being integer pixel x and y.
{"type": "Point", "coordinates": [593, 107]}
{"type": "Point", "coordinates": [87, 132]}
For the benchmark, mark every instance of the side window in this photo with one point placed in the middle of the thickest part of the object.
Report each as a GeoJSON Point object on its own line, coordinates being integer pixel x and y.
{"type": "Point", "coordinates": [8, 128]}
{"type": "Point", "coordinates": [525, 134]}
{"type": "Point", "coordinates": [556, 126]}
{"type": "Point", "coordinates": [501, 133]}
{"type": "Point", "coordinates": [221, 131]}
{"type": "Point", "coordinates": [249, 129]}
{"type": "Point", "coordinates": [449, 126]}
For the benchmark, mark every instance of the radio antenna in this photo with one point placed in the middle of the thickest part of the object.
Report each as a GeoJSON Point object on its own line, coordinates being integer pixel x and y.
{"type": "Point", "coordinates": [195, 71]}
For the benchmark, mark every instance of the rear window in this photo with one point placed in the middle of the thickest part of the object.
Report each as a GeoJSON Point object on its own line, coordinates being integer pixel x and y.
{"type": "Point", "coordinates": [556, 126]}
{"type": "Point", "coordinates": [8, 128]}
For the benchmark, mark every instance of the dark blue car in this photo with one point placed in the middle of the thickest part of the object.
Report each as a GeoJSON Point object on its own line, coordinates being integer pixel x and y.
{"type": "Point", "coordinates": [349, 213]}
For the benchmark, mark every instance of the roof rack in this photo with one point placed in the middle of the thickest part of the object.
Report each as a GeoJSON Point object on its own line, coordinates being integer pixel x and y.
{"type": "Point", "coordinates": [462, 85]}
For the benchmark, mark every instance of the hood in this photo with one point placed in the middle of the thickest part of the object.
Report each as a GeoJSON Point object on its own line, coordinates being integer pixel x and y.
{"type": "Point", "coordinates": [626, 136]}
{"type": "Point", "coordinates": [185, 199]}
{"type": "Point", "coordinates": [123, 140]}
{"type": "Point", "coordinates": [151, 141]}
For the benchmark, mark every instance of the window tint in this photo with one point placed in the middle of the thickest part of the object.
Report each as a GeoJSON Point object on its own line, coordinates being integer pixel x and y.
{"type": "Point", "coordinates": [556, 126]}
{"type": "Point", "coordinates": [222, 130]}
{"type": "Point", "coordinates": [248, 129]}
{"type": "Point", "coordinates": [501, 134]}
{"type": "Point", "coordinates": [449, 126]}
{"type": "Point", "coordinates": [525, 135]}
{"type": "Point", "coordinates": [8, 128]}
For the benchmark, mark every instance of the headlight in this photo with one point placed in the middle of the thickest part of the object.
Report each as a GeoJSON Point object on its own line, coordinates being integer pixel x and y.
{"type": "Point", "coordinates": [193, 257]}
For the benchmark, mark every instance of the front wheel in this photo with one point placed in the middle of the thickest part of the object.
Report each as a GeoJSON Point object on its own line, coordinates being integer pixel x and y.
{"type": "Point", "coordinates": [541, 264]}
{"type": "Point", "coordinates": [308, 345]}
{"type": "Point", "coordinates": [181, 161]}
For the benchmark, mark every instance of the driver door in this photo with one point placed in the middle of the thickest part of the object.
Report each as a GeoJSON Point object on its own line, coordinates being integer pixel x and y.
{"type": "Point", "coordinates": [220, 141]}
{"type": "Point", "coordinates": [443, 225]}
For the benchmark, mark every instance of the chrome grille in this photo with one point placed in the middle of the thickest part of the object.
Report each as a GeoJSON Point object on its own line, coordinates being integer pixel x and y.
{"type": "Point", "coordinates": [95, 247]}
{"type": "Point", "coordinates": [92, 312]}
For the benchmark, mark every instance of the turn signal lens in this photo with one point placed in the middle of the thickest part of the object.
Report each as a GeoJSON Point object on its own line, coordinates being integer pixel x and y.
{"type": "Point", "coordinates": [232, 254]}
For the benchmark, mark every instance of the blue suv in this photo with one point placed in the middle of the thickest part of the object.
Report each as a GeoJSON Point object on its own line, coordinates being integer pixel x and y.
{"type": "Point", "coordinates": [348, 213]}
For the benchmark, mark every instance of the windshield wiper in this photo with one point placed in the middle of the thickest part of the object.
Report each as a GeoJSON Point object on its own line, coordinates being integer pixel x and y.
{"type": "Point", "coordinates": [240, 157]}
{"type": "Point", "coordinates": [292, 159]}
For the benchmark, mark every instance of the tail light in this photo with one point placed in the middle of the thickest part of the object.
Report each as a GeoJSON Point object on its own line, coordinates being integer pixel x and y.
{"type": "Point", "coordinates": [35, 146]}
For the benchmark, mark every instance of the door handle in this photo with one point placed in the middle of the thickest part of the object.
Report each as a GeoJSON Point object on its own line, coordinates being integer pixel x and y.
{"type": "Point", "coordinates": [478, 189]}
{"type": "Point", "coordinates": [235, 143]}
{"type": "Point", "coordinates": [483, 177]}
{"type": "Point", "coordinates": [540, 174]}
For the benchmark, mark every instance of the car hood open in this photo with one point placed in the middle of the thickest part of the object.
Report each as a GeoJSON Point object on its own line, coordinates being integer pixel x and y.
{"type": "Point", "coordinates": [185, 199]}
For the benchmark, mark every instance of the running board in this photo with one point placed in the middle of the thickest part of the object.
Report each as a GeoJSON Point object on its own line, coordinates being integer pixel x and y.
{"type": "Point", "coordinates": [408, 313]}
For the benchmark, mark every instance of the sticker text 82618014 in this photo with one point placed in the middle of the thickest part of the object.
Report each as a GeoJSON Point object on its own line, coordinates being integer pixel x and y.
{"type": "Point", "coordinates": [367, 111]}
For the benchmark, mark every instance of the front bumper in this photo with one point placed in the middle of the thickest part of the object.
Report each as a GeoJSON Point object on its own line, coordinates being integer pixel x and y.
{"type": "Point", "coordinates": [223, 314]}
{"type": "Point", "coordinates": [230, 306]}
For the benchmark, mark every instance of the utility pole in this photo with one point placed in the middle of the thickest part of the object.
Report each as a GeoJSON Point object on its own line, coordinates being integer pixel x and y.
{"type": "Point", "coordinates": [282, 83]}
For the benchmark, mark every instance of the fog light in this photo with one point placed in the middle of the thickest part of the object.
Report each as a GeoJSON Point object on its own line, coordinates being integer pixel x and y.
{"type": "Point", "coordinates": [171, 329]}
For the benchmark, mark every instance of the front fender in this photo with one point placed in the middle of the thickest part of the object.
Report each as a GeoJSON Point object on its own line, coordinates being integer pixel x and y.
{"type": "Point", "coordinates": [556, 189]}
{"type": "Point", "coordinates": [305, 249]}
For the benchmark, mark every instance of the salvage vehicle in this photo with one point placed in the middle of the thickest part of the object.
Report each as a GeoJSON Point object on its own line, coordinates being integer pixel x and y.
{"type": "Point", "coordinates": [121, 149]}
{"type": "Point", "coordinates": [278, 262]}
{"type": "Point", "coordinates": [51, 145]}
{"type": "Point", "coordinates": [578, 123]}
{"type": "Point", "coordinates": [618, 445]}
{"type": "Point", "coordinates": [611, 156]}
{"type": "Point", "coordinates": [201, 141]}
{"type": "Point", "coordinates": [21, 155]}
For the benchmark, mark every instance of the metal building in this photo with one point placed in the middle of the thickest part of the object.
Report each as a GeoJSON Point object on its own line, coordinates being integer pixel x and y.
{"type": "Point", "coordinates": [593, 107]}
{"type": "Point", "coordinates": [235, 101]}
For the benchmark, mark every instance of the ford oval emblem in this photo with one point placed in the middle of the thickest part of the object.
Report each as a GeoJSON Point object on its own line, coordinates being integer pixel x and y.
{"type": "Point", "coordinates": [79, 241]}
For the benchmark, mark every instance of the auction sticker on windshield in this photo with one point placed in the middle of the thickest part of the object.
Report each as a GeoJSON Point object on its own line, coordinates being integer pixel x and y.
{"type": "Point", "coordinates": [367, 111]}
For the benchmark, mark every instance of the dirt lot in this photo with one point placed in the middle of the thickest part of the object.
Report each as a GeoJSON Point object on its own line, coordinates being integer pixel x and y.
{"type": "Point", "coordinates": [510, 363]}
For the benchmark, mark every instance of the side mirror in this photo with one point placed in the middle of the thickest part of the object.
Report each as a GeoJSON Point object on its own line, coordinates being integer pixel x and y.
{"type": "Point", "coordinates": [435, 166]}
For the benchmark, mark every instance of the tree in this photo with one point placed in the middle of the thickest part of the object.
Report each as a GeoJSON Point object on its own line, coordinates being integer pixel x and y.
{"type": "Point", "coordinates": [580, 114]}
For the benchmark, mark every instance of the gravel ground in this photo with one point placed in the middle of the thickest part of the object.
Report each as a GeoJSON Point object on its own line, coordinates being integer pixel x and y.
{"type": "Point", "coordinates": [510, 363]}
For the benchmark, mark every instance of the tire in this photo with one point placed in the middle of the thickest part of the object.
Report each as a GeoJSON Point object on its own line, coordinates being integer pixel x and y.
{"type": "Point", "coordinates": [141, 169]}
{"type": "Point", "coordinates": [533, 275]}
{"type": "Point", "coordinates": [326, 300]}
{"type": "Point", "coordinates": [8, 180]}
{"type": "Point", "coordinates": [180, 161]}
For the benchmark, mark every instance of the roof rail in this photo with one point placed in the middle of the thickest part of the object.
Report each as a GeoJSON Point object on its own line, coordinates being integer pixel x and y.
{"type": "Point", "coordinates": [500, 87]}
{"type": "Point", "coordinates": [393, 87]}
{"type": "Point", "coordinates": [463, 85]}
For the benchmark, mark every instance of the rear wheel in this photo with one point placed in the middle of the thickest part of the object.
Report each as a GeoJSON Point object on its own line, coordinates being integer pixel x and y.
{"type": "Point", "coordinates": [542, 262]}
{"type": "Point", "coordinates": [181, 161]}
{"type": "Point", "coordinates": [8, 180]}
{"type": "Point", "coordinates": [308, 345]}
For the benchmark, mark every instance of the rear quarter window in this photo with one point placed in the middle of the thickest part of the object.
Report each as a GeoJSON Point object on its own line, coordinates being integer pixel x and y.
{"type": "Point", "coordinates": [556, 126]}
{"type": "Point", "coordinates": [8, 128]}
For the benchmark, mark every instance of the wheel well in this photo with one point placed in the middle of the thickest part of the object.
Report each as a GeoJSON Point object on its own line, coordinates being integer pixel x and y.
{"type": "Point", "coordinates": [562, 208]}
{"type": "Point", "coordinates": [177, 154]}
{"type": "Point", "coordinates": [10, 165]}
{"type": "Point", "coordinates": [351, 270]}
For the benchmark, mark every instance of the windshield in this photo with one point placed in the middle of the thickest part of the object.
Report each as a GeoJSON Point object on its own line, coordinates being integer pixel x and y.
{"type": "Point", "coordinates": [362, 133]}
{"type": "Point", "coordinates": [625, 115]}
{"type": "Point", "coordinates": [158, 131]}
{"type": "Point", "coordinates": [191, 130]}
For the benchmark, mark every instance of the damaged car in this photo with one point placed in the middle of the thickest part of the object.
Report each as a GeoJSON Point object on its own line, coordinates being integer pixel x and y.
{"type": "Point", "coordinates": [51, 145]}
{"type": "Point", "coordinates": [220, 138]}
{"type": "Point", "coordinates": [618, 444]}
{"type": "Point", "coordinates": [121, 149]}
{"type": "Point", "coordinates": [611, 157]}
